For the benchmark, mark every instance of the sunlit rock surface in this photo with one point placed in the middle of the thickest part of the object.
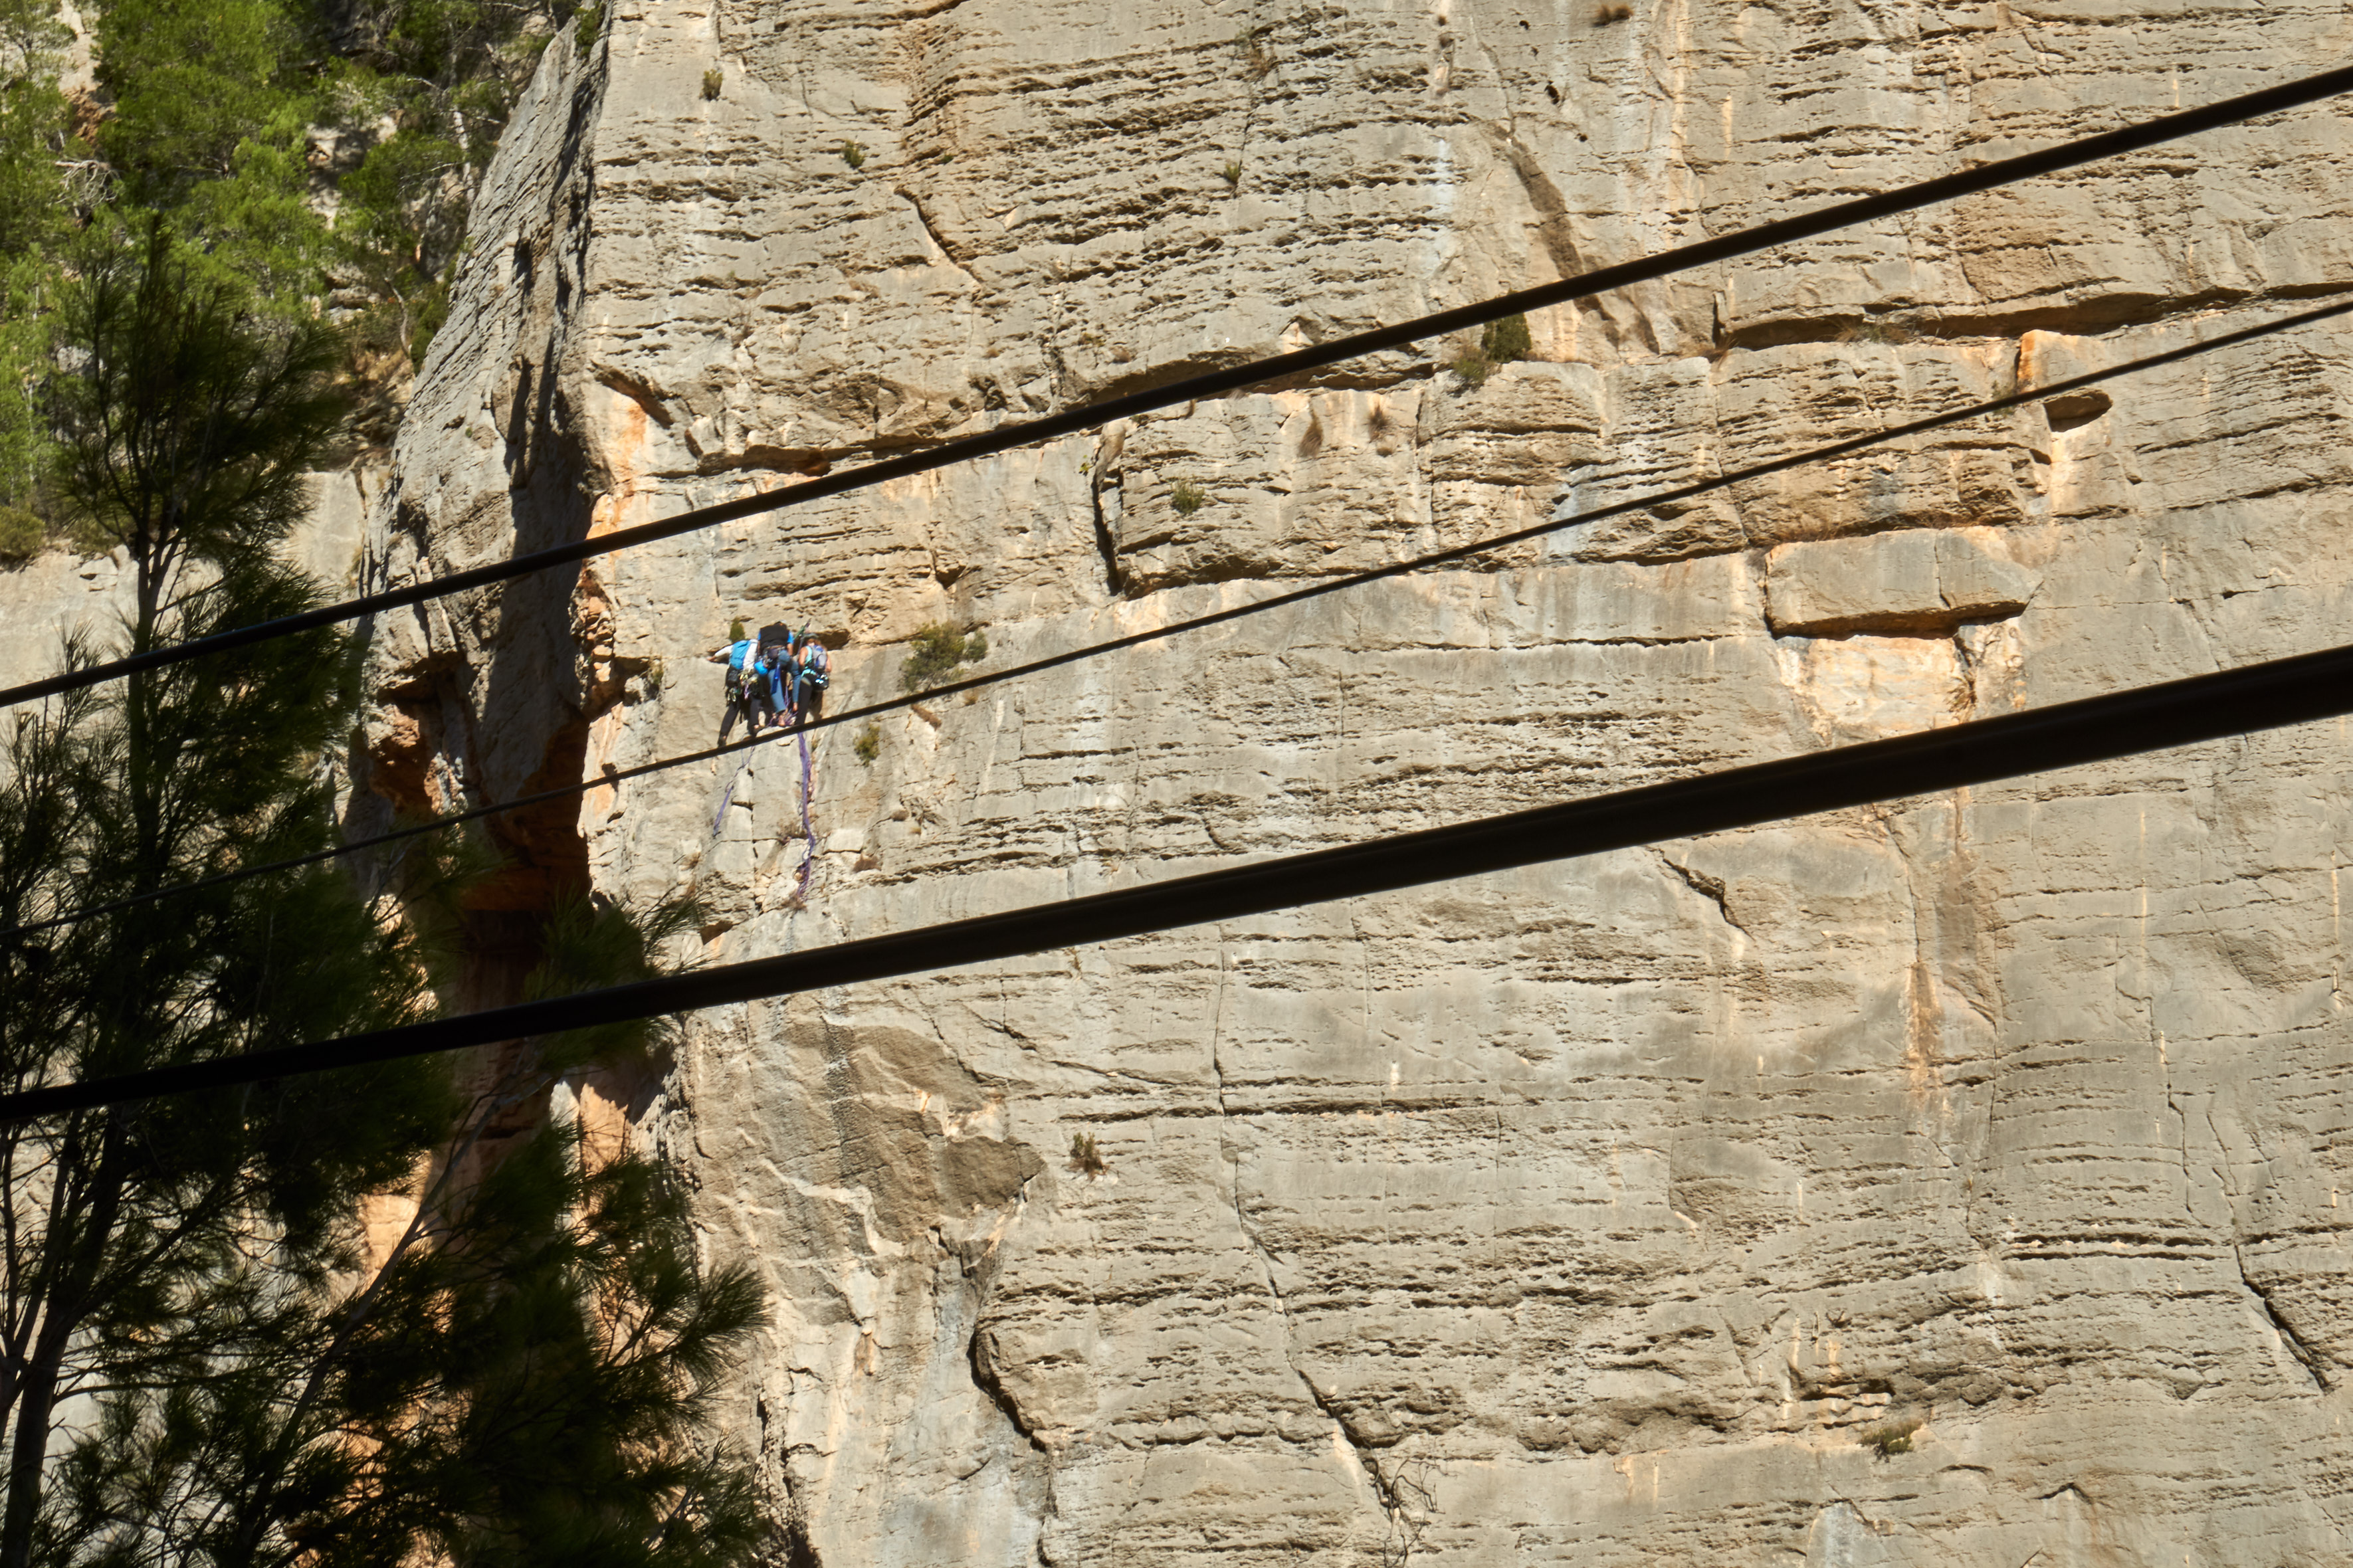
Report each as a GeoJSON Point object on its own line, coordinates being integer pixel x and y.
{"type": "Point", "coordinates": [1619, 1211]}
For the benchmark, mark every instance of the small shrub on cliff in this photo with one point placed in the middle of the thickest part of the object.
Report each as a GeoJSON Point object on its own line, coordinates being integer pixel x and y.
{"type": "Point", "coordinates": [1895, 1437]}
{"type": "Point", "coordinates": [1086, 1160]}
{"type": "Point", "coordinates": [585, 26]}
{"type": "Point", "coordinates": [1233, 175]}
{"type": "Point", "coordinates": [868, 745]}
{"type": "Point", "coordinates": [713, 81]}
{"type": "Point", "coordinates": [21, 534]}
{"type": "Point", "coordinates": [1608, 14]}
{"type": "Point", "coordinates": [1499, 342]}
{"type": "Point", "coordinates": [854, 154]}
{"type": "Point", "coordinates": [432, 313]}
{"type": "Point", "coordinates": [1507, 340]}
{"type": "Point", "coordinates": [1251, 43]}
{"type": "Point", "coordinates": [1188, 498]}
{"type": "Point", "coordinates": [937, 654]}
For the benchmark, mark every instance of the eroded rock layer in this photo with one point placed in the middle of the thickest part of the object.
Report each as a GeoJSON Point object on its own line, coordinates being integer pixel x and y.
{"type": "Point", "coordinates": [1630, 1210]}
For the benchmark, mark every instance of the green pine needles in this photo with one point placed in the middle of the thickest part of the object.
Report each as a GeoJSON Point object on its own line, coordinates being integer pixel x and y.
{"type": "Point", "coordinates": [22, 534]}
{"type": "Point", "coordinates": [319, 161]}
{"type": "Point", "coordinates": [210, 1360]}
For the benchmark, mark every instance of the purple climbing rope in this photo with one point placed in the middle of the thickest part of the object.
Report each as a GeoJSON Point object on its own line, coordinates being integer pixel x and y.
{"type": "Point", "coordinates": [808, 830]}
{"type": "Point", "coordinates": [726, 799]}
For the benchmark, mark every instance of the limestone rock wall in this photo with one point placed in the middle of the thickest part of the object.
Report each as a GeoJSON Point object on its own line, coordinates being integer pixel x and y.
{"type": "Point", "coordinates": [1592, 1214]}
{"type": "Point", "coordinates": [58, 595]}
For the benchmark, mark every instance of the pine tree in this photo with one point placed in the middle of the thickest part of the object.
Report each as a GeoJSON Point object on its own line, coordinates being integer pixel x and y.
{"type": "Point", "coordinates": [522, 1377]}
{"type": "Point", "coordinates": [211, 126]}
{"type": "Point", "coordinates": [33, 190]}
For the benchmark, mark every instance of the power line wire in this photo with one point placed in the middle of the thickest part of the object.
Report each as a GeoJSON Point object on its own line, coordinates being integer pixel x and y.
{"type": "Point", "coordinates": [1214, 383]}
{"type": "Point", "coordinates": [1314, 590]}
{"type": "Point", "coordinates": [2068, 734]}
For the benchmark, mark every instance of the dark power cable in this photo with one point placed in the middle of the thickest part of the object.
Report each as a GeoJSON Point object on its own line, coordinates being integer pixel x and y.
{"type": "Point", "coordinates": [1297, 595]}
{"type": "Point", "coordinates": [1214, 383]}
{"type": "Point", "coordinates": [2068, 734]}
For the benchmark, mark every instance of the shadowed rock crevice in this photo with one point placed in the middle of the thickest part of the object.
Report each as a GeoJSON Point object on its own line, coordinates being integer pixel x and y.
{"type": "Point", "coordinates": [797, 1551]}
{"type": "Point", "coordinates": [2313, 1363]}
{"type": "Point", "coordinates": [980, 1351]}
{"type": "Point", "coordinates": [980, 1355]}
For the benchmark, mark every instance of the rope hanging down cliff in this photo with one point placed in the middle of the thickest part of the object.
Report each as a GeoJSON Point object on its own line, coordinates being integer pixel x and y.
{"type": "Point", "coordinates": [1215, 383]}
{"type": "Point", "coordinates": [2067, 734]}
{"type": "Point", "coordinates": [1315, 590]}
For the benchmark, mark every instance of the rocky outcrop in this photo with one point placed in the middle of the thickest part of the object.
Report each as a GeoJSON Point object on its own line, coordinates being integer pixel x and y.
{"type": "Point", "coordinates": [1956, 1180]}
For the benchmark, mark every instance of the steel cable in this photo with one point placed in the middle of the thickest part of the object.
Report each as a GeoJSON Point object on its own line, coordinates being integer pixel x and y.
{"type": "Point", "coordinates": [2068, 734]}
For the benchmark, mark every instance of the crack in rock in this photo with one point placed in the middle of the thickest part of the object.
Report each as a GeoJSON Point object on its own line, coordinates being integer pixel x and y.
{"type": "Point", "coordinates": [2304, 1353]}
{"type": "Point", "coordinates": [1407, 1515]}
{"type": "Point", "coordinates": [1706, 887]}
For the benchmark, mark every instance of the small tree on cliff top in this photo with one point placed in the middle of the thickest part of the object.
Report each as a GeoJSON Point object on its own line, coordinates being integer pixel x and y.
{"type": "Point", "coordinates": [199, 1362]}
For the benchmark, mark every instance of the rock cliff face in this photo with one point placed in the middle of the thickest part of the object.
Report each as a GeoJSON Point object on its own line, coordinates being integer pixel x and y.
{"type": "Point", "coordinates": [1619, 1211]}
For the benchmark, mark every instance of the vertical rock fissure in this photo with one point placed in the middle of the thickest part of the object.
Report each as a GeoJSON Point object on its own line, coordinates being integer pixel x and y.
{"type": "Point", "coordinates": [1406, 1519]}
{"type": "Point", "coordinates": [1105, 545]}
{"type": "Point", "coordinates": [992, 1387]}
{"type": "Point", "coordinates": [1925, 1020]}
{"type": "Point", "coordinates": [2181, 1121]}
{"type": "Point", "coordinates": [985, 1378]}
{"type": "Point", "coordinates": [1406, 1523]}
{"type": "Point", "coordinates": [2294, 1341]}
{"type": "Point", "coordinates": [923, 219]}
{"type": "Point", "coordinates": [2303, 1353]}
{"type": "Point", "coordinates": [1552, 227]}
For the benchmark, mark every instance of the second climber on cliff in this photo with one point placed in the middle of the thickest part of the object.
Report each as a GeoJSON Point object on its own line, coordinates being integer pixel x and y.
{"type": "Point", "coordinates": [810, 674]}
{"type": "Point", "coordinates": [767, 687]}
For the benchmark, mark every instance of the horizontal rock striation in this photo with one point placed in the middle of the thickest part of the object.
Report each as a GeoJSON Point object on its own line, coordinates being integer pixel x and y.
{"type": "Point", "coordinates": [1966, 1180]}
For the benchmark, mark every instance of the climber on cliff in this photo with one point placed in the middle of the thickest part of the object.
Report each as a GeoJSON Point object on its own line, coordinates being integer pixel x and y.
{"type": "Point", "coordinates": [768, 686]}
{"type": "Point", "coordinates": [737, 656]}
{"type": "Point", "coordinates": [811, 673]}
{"type": "Point", "coordinates": [789, 664]}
